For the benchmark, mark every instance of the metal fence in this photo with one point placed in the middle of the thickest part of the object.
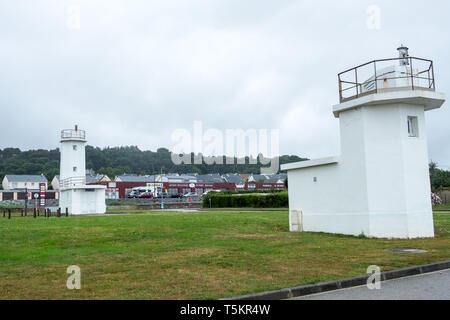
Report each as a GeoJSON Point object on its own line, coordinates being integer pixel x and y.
{"type": "Point", "coordinates": [72, 182]}
{"type": "Point", "coordinates": [71, 133]}
{"type": "Point", "coordinates": [369, 78]}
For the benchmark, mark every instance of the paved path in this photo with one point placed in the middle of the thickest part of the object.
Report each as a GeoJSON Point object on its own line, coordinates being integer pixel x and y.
{"type": "Point", "coordinates": [429, 286]}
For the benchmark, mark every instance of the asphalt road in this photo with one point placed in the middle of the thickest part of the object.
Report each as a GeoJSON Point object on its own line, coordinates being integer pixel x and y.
{"type": "Point", "coordinates": [429, 286]}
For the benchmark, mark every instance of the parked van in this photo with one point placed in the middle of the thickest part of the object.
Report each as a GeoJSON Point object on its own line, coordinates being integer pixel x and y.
{"type": "Point", "coordinates": [137, 191]}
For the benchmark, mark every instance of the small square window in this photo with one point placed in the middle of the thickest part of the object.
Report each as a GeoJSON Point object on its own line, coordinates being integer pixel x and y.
{"type": "Point", "coordinates": [413, 130]}
{"type": "Point", "coordinates": [74, 147]}
{"type": "Point", "coordinates": [74, 169]}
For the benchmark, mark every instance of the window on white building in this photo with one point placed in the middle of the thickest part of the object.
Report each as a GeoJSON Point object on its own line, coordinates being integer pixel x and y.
{"type": "Point", "coordinates": [74, 169]}
{"type": "Point", "coordinates": [74, 147]}
{"type": "Point", "coordinates": [413, 130]}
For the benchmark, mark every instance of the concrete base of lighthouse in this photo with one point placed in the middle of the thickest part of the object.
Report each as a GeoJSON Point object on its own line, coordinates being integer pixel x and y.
{"type": "Point", "coordinates": [84, 199]}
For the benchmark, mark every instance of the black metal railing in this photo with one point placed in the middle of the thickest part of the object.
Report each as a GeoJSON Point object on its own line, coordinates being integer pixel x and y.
{"type": "Point", "coordinates": [418, 73]}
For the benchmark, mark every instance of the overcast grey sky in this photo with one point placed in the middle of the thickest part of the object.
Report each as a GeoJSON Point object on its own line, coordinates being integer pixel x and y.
{"type": "Point", "coordinates": [134, 71]}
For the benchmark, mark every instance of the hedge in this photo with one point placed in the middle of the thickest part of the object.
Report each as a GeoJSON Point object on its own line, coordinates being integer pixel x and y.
{"type": "Point", "coordinates": [226, 200]}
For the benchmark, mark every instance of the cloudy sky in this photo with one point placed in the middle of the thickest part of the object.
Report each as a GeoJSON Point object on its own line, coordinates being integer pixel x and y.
{"type": "Point", "coordinates": [132, 72]}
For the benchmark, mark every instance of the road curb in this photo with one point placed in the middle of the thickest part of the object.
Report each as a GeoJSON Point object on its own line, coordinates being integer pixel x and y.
{"type": "Point", "coordinates": [342, 283]}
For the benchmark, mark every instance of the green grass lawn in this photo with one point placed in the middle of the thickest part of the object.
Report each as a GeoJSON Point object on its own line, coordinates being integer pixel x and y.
{"type": "Point", "coordinates": [442, 207]}
{"type": "Point", "coordinates": [199, 255]}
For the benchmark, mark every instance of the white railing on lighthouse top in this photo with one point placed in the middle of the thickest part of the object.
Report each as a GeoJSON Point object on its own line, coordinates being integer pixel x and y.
{"type": "Point", "coordinates": [72, 182]}
{"type": "Point", "coordinates": [71, 134]}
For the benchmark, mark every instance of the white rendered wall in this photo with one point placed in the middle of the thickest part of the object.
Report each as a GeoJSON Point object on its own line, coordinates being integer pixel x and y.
{"type": "Point", "coordinates": [380, 186]}
{"type": "Point", "coordinates": [71, 158]}
{"type": "Point", "coordinates": [79, 201]}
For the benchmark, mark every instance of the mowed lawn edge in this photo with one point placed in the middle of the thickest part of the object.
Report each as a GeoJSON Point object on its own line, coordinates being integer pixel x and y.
{"type": "Point", "coordinates": [188, 255]}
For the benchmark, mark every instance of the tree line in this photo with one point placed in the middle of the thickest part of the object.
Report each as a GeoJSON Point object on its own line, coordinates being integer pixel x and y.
{"type": "Point", "coordinates": [439, 178]}
{"type": "Point", "coordinates": [131, 160]}
{"type": "Point", "coordinates": [114, 161]}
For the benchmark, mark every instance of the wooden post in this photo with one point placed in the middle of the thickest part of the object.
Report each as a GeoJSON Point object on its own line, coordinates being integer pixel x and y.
{"type": "Point", "coordinates": [21, 212]}
{"type": "Point", "coordinates": [67, 212]}
{"type": "Point", "coordinates": [9, 213]}
{"type": "Point", "coordinates": [34, 212]}
{"type": "Point", "coordinates": [38, 212]}
{"type": "Point", "coordinates": [58, 213]}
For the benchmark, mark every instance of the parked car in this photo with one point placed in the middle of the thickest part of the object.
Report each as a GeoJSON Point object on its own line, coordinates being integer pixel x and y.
{"type": "Point", "coordinates": [190, 195]}
{"type": "Point", "coordinates": [146, 195]}
{"type": "Point", "coordinates": [133, 194]}
{"type": "Point", "coordinates": [137, 191]}
{"type": "Point", "coordinates": [162, 195]}
{"type": "Point", "coordinates": [177, 195]}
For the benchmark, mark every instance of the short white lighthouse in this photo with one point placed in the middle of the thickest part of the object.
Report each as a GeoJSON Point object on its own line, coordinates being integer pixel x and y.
{"type": "Point", "coordinates": [75, 195]}
{"type": "Point", "coordinates": [379, 186]}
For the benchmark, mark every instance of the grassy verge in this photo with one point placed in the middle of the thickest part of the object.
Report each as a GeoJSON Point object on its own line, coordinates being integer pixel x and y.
{"type": "Point", "coordinates": [3, 206]}
{"type": "Point", "coordinates": [246, 209]}
{"type": "Point", "coordinates": [196, 255]}
{"type": "Point", "coordinates": [442, 207]}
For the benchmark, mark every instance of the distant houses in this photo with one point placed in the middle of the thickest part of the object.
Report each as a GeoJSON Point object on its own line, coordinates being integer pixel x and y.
{"type": "Point", "coordinates": [233, 178]}
{"type": "Point", "coordinates": [11, 182]}
{"type": "Point", "coordinates": [31, 182]}
{"type": "Point", "coordinates": [211, 177]}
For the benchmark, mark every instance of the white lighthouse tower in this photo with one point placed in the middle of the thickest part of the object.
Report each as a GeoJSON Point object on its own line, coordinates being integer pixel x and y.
{"type": "Point", "coordinates": [75, 195]}
{"type": "Point", "coordinates": [379, 186]}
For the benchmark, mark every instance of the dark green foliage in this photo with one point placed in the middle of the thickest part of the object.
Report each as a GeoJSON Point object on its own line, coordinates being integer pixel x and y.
{"type": "Point", "coordinates": [250, 200]}
{"type": "Point", "coordinates": [116, 161]}
{"type": "Point", "coordinates": [439, 178]}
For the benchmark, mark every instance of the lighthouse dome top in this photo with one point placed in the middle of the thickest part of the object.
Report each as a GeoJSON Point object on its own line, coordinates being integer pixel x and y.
{"type": "Point", "coordinates": [73, 135]}
{"type": "Point", "coordinates": [404, 73]}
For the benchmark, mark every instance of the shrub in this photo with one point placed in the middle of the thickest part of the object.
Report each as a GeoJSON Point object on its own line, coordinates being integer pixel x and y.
{"type": "Point", "coordinates": [435, 199]}
{"type": "Point", "coordinates": [246, 200]}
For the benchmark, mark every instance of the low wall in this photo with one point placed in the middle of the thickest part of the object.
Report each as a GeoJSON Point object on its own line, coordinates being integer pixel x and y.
{"type": "Point", "coordinates": [133, 202]}
{"type": "Point", "coordinates": [31, 203]}
{"type": "Point", "coordinates": [155, 206]}
{"type": "Point", "coordinates": [444, 195]}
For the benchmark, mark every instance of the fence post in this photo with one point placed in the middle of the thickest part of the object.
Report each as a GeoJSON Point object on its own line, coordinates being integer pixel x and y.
{"type": "Point", "coordinates": [9, 213]}
{"type": "Point", "coordinates": [21, 212]}
{"type": "Point", "coordinates": [34, 212]}
{"type": "Point", "coordinates": [58, 213]}
{"type": "Point", "coordinates": [67, 212]}
{"type": "Point", "coordinates": [4, 210]}
{"type": "Point", "coordinates": [38, 212]}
